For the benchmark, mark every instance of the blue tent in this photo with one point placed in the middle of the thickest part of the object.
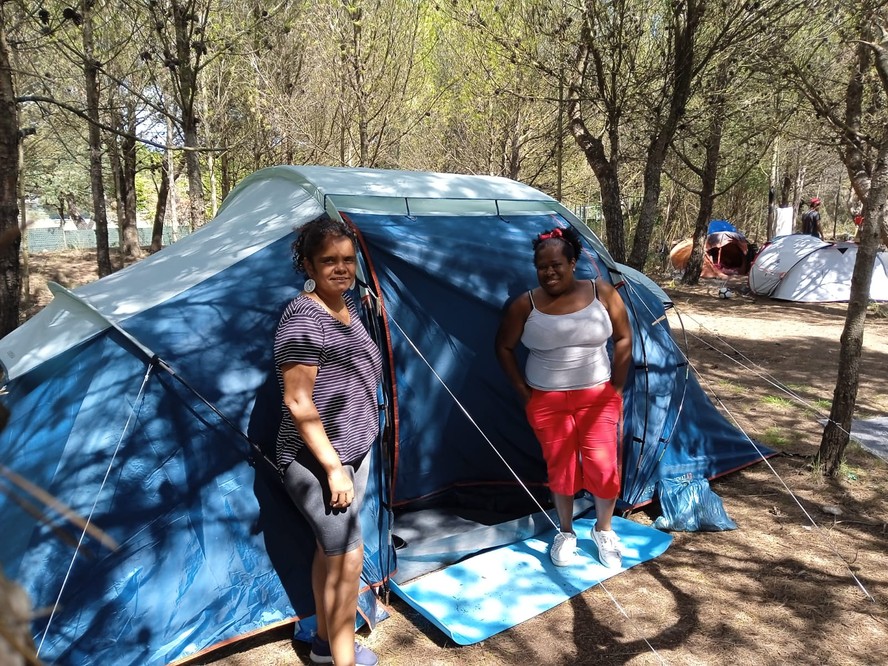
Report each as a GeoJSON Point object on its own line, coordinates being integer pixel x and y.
{"type": "Point", "coordinates": [146, 401]}
{"type": "Point", "coordinates": [716, 226]}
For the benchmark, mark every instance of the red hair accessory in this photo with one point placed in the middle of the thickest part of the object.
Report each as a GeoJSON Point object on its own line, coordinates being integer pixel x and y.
{"type": "Point", "coordinates": [555, 233]}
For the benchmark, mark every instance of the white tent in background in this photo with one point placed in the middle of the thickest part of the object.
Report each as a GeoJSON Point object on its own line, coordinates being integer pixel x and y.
{"type": "Point", "coordinates": [809, 270]}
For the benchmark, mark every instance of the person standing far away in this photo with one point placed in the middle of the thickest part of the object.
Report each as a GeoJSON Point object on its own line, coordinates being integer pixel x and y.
{"type": "Point", "coordinates": [811, 220]}
{"type": "Point", "coordinates": [572, 391]}
{"type": "Point", "coordinates": [858, 224]}
{"type": "Point", "coordinates": [328, 369]}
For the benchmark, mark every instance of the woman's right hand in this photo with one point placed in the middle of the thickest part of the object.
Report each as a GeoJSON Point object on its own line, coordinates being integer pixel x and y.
{"type": "Point", "coordinates": [342, 490]}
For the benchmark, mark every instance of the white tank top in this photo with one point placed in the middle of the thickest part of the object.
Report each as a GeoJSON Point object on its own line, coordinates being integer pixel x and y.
{"type": "Point", "coordinates": [567, 351]}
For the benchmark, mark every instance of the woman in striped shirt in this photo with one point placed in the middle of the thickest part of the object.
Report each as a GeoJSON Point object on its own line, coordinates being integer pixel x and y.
{"type": "Point", "coordinates": [328, 369]}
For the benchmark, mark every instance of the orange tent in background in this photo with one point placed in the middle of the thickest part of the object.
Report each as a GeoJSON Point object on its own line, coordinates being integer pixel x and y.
{"type": "Point", "coordinates": [725, 252]}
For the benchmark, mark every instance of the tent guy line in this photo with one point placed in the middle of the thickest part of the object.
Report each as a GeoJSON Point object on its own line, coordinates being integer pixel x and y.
{"type": "Point", "coordinates": [631, 625]}
{"type": "Point", "coordinates": [798, 502]}
{"type": "Point", "coordinates": [774, 382]}
{"type": "Point", "coordinates": [759, 372]}
{"type": "Point", "coordinates": [810, 518]}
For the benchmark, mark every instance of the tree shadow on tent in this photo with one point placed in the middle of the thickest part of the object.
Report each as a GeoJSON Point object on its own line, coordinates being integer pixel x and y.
{"type": "Point", "coordinates": [288, 539]}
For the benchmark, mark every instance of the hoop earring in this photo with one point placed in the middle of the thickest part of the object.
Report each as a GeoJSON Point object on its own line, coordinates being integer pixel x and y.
{"type": "Point", "coordinates": [309, 286]}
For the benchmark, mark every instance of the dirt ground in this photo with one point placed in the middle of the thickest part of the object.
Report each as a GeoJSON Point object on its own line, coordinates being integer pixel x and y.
{"type": "Point", "coordinates": [804, 580]}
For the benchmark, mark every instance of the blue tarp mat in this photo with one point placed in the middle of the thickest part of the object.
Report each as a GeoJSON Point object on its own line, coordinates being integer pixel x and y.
{"type": "Point", "coordinates": [496, 590]}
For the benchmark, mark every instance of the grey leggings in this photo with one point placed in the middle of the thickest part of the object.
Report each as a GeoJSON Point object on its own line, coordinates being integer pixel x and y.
{"type": "Point", "coordinates": [337, 530]}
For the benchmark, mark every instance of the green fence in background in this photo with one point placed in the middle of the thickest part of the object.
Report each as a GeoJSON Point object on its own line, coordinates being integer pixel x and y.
{"type": "Point", "coordinates": [55, 240]}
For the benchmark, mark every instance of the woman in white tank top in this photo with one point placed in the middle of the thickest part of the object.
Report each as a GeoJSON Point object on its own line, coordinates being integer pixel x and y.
{"type": "Point", "coordinates": [571, 388]}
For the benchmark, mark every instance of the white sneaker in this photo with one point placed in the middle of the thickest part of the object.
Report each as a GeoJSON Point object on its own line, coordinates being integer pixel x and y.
{"type": "Point", "coordinates": [564, 549]}
{"type": "Point", "coordinates": [609, 551]}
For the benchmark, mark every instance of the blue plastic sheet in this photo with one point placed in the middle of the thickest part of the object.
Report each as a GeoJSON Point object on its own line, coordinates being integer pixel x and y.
{"type": "Point", "coordinates": [690, 505]}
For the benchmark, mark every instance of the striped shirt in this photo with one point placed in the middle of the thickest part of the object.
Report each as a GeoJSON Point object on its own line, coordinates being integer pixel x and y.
{"type": "Point", "coordinates": [349, 371]}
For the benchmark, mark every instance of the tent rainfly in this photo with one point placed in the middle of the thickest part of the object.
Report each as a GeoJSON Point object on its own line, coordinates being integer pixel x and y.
{"type": "Point", "coordinates": [147, 402]}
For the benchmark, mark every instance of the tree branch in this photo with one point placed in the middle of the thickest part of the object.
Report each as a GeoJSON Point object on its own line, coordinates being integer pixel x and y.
{"type": "Point", "coordinates": [39, 99]}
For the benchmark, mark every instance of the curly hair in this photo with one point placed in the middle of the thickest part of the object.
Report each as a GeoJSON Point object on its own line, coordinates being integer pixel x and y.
{"type": "Point", "coordinates": [312, 236]}
{"type": "Point", "coordinates": [566, 236]}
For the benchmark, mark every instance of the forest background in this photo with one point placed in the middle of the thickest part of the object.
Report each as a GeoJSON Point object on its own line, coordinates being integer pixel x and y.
{"type": "Point", "coordinates": [648, 117]}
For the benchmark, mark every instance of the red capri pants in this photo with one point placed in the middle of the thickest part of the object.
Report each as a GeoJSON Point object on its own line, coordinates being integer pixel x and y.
{"type": "Point", "coordinates": [578, 432]}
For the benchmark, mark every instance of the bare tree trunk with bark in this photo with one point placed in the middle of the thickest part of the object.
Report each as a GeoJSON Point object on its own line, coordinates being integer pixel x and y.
{"type": "Point", "coordinates": [688, 16]}
{"type": "Point", "coordinates": [184, 21]}
{"type": "Point", "coordinates": [130, 247]}
{"type": "Point", "coordinates": [708, 178]}
{"type": "Point", "coordinates": [869, 178]}
{"type": "Point", "coordinates": [96, 178]}
{"type": "Point", "coordinates": [160, 210]}
{"type": "Point", "coordinates": [10, 270]}
{"type": "Point", "coordinates": [605, 171]}
{"type": "Point", "coordinates": [837, 432]}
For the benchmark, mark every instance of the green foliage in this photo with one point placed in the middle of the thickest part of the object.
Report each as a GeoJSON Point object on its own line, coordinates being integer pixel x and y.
{"type": "Point", "coordinates": [472, 88]}
{"type": "Point", "coordinates": [847, 471]}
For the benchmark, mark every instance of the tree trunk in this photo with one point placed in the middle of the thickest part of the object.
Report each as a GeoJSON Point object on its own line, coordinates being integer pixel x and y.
{"type": "Point", "coordinates": [709, 178]}
{"type": "Point", "coordinates": [160, 211]}
{"type": "Point", "coordinates": [870, 182]}
{"type": "Point", "coordinates": [172, 173]}
{"type": "Point", "coordinates": [183, 17]}
{"type": "Point", "coordinates": [609, 186]}
{"type": "Point", "coordinates": [10, 238]}
{"type": "Point", "coordinates": [130, 247]}
{"type": "Point", "coordinates": [96, 179]}
{"type": "Point", "coordinates": [838, 428]}
{"type": "Point", "coordinates": [785, 190]}
{"type": "Point", "coordinates": [225, 161]}
{"type": "Point", "coordinates": [772, 192]}
{"type": "Point", "coordinates": [605, 171]}
{"type": "Point", "coordinates": [685, 31]}
{"type": "Point", "coordinates": [116, 169]}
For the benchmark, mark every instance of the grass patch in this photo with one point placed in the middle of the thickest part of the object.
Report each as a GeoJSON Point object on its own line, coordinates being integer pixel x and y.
{"type": "Point", "coordinates": [797, 388]}
{"type": "Point", "coordinates": [774, 438]}
{"type": "Point", "coordinates": [848, 472]}
{"type": "Point", "coordinates": [819, 407]}
{"type": "Point", "coordinates": [778, 401]}
{"type": "Point", "coordinates": [727, 384]}
{"type": "Point", "coordinates": [877, 310]}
